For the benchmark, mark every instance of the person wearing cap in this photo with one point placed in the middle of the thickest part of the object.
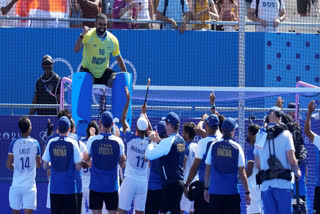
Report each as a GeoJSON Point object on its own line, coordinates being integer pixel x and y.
{"type": "Point", "coordinates": [276, 189]}
{"type": "Point", "coordinates": [64, 155]}
{"type": "Point", "coordinates": [154, 195]}
{"type": "Point", "coordinates": [171, 152]}
{"type": "Point", "coordinates": [92, 130]}
{"type": "Point", "coordinates": [47, 89]}
{"type": "Point", "coordinates": [135, 184]}
{"type": "Point", "coordinates": [106, 151]}
{"type": "Point", "coordinates": [98, 44]}
{"type": "Point", "coordinates": [82, 147]}
{"type": "Point", "coordinates": [188, 134]}
{"type": "Point", "coordinates": [213, 134]}
{"type": "Point", "coordinates": [224, 161]}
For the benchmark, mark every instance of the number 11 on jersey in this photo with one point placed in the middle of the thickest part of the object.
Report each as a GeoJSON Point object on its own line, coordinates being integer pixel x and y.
{"type": "Point", "coordinates": [138, 161]}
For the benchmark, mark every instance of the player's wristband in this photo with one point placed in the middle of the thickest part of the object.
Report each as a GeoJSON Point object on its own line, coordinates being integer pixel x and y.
{"type": "Point", "coordinates": [81, 36]}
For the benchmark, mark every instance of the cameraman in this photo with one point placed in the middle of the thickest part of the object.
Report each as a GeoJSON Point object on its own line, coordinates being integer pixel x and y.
{"type": "Point", "coordinates": [275, 157]}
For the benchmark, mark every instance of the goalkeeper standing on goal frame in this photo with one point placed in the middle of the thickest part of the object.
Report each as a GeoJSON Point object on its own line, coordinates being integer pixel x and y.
{"type": "Point", "coordinates": [98, 44]}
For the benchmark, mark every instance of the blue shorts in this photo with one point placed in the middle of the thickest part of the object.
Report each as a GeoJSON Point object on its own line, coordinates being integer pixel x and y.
{"type": "Point", "coordinates": [276, 201]}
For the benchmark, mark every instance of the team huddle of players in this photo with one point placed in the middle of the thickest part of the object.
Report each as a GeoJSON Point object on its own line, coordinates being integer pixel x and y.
{"type": "Point", "coordinates": [163, 170]}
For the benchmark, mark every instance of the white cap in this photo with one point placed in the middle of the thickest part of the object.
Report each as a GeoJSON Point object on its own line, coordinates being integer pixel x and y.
{"type": "Point", "coordinates": [142, 123]}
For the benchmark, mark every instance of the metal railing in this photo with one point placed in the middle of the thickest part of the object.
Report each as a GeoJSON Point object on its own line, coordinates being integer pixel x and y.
{"type": "Point", "coordinates": [136, 21]}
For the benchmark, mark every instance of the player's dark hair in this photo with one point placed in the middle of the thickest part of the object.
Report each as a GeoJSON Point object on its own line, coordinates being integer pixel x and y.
{"type": "Point", "coordinates": [64, 112]}
{"type": "Point", "coordinates": [175, 127]}
{"type": "Point", "coordinates": [93, 124]}
{"type": "Point", "coordinates": [24, 124]}
{"type": "Point", "coordinates": [253, 129]}
{"type": "Point", "coordinates": [101, 16]}
{"type": "Point", "coordinates": [190, 129]}
{"type": "Point", "coordinates": [291, 105]}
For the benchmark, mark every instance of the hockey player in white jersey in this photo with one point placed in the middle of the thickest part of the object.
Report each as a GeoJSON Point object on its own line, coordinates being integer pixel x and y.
{"type": "Point", "coordinates": [135, 184]}
{"type": "Point", "coordinates": [188, 134]}
{"type": "Point", "coordinates": [24, 157]}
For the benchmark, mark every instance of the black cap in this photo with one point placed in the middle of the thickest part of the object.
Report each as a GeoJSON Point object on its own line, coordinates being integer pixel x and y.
{"type": "Point", "coordinates": [46, 59]}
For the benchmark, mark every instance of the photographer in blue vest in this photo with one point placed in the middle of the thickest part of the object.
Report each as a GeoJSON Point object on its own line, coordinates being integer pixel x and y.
{"type": "Point", "coordinates": [224, 161]}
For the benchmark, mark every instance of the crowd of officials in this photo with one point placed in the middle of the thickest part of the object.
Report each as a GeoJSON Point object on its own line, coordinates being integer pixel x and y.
{"type": "Point", "coordinates": [162, 170]}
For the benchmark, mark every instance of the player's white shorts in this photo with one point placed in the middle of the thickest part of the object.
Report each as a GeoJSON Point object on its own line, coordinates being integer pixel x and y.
{"type": "Point", "coordinates": [48, 205]}
{"type": "Point", "coordinates": [186, 204]}
{"type": "Point", "coordinates": [132, 189]}
{"type": "Point", "coordinates": [256, 202]}
{"type": "Point", "coordinates": [23, 197]}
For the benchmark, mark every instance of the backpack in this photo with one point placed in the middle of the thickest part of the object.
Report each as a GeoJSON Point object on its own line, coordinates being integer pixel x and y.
{"type": "Point", "coordinates": [295, 130]}
{"type": "Point", "coordinates": [257, 6]}
{"type": "Point", "coordinates": [166, 2]}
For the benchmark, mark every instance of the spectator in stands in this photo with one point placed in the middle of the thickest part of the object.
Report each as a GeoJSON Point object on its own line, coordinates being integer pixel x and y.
{"type": "Point", "coordinates": [146, 13]}
{"type": "Point", "coordinates": [75, 12]}
{"type": "Point", "coordinates": [268, 16]}
{"type": "Point", "coordinates": [47, 89]}
{"type": "Point", "coordinates": [107, 8]}
{"type": "Point", "coordinates": [47, 9]}
{"type": "Point", "coordinates": [125, 9]}
{"type": "Point", "coordinates": [228, 11]}
{"type": "Point", "coordinates": [90, 9]}
{"type": "Point", "coordinates": [203, 10]}
{"type": "Point", "coordinates": [9, 8]}
{"type": "Point", "coordinates": [303, 7]}
{"type": "Point", "coordinates": [172, 13]}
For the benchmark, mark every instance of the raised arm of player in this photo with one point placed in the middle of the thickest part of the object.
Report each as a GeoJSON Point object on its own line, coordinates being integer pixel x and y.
{"type": "Point", "coordinates": [307, 125]}
{"type": "Point", "coordinates": [199, 128]}
{"type": "Point", "coordinates": [124, 123]}
{"type": "Point", "coordinates": [78, 45]}
{"type": "Point", "coordinates": [144, 112]}
{"type": "Point", "coordinates": [8, 7]}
